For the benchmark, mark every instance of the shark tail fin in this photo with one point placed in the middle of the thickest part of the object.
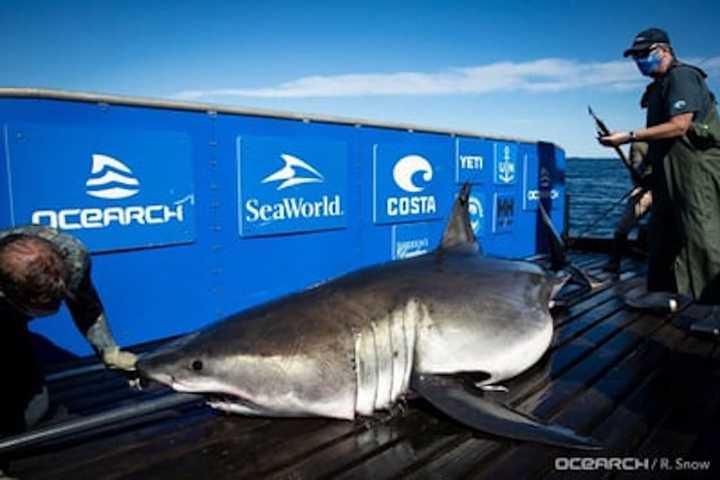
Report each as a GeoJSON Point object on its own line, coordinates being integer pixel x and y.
{"type": "Point", "coordinates": [558, 259]}
{"type": "Point", "coordinates": [450, 396]}
{"type": "Point", "coordinates": [458, 234]}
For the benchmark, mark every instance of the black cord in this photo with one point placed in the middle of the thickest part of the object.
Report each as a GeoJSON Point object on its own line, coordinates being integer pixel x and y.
{"type": "Point", "coordinates": [587, 229]}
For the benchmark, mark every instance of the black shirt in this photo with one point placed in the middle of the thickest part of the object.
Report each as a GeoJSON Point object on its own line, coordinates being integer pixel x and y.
{"type": "Point", "coordinates": [681, 90]}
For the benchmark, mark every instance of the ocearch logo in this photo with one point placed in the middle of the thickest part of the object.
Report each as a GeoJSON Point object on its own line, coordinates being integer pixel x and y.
{"type": "Point", "coordinates": [116, 181]}
{"type": "Point", "coordinates": [111, 179]}
{"type": "Point", "coordinates": [545, 182]}
{"type": "Point", "coordinates": [405, 174]}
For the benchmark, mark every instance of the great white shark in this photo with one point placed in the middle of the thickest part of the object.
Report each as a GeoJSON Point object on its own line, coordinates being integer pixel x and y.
{"type": "Point", "coordinates": [362, 342]}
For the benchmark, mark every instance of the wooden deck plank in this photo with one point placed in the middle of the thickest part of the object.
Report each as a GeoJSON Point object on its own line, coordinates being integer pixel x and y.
{"type": "Point", "coordinates": [234, 453]}
{"type": "Point", "coordinates": [707, 446]}
{"type": "Point", "coordinates": [631, 417]}
{"type": "Point", "coordinates": [363, 444]}
{"type": "Point", "coordinates": [688, 408]}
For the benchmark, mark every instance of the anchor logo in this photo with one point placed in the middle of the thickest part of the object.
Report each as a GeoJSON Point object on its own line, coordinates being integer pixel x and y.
{"type": "Point", "coordinates": [506, 167]}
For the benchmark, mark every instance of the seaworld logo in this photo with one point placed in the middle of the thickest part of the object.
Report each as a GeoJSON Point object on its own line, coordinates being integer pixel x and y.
{"type": "Point", "coordinates": [295, 172]}
{"type": "Point", "coordinates": [293, 208]}
{"type": "Point", "coordinates": [289, 176]}
{"type": "Point", "coordinates": [404, 173]}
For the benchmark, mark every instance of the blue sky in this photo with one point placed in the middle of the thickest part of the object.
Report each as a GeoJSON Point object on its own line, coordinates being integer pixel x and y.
{"type": "Point", "coordinates": [525, 69]}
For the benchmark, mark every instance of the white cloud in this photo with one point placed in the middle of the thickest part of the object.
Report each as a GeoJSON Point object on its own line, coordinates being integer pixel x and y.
{"type": "Point", "coordinates": [544, 75]}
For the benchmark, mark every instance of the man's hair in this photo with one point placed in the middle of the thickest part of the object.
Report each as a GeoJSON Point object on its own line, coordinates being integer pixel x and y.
{"type": "Point", "coordinates": [667, 47]}
{"type": "Point", "coordinates": [33, 273]}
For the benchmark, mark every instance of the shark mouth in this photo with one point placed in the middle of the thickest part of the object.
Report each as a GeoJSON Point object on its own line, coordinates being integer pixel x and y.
{"type": "Point", "coordinates": [233, 404]}
{"type": "Point", "coordinates": [216, 396]}
{"type": "Point", "coordinates": [228, 398]}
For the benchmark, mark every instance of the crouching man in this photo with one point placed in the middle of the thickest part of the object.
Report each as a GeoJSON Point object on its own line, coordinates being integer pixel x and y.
{"type": "Point", "coordinates": [39, 269]}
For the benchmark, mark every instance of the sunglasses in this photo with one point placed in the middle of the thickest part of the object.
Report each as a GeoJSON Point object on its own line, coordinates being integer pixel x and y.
{"type": "Point", "coordinates": [642, 54]}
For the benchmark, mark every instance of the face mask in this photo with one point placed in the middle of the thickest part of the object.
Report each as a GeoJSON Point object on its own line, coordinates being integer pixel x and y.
{"type": "Point", "coordinates": [650, 64]}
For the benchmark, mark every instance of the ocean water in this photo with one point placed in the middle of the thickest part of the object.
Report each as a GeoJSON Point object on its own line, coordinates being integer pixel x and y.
{"type": "Point", "coordinates": [594, 185]}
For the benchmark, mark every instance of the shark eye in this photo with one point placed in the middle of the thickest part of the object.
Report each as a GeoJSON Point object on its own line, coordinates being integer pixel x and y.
{"type": "Point", "coordinates": [197, 365]}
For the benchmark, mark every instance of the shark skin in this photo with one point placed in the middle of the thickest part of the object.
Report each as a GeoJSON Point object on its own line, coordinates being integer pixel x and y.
{"type": "Point", "coordinates": [360, 343]}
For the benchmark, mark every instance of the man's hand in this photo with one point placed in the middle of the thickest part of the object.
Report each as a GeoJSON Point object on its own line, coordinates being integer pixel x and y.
{"type": "Point", "coordinates": [615, 139]}
{"type": "Point", "coordinates": [118, 359]}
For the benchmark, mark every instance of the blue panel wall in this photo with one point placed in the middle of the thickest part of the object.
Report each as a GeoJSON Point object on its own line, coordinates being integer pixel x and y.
{"type": "Point", "coordinates": [191, 216]}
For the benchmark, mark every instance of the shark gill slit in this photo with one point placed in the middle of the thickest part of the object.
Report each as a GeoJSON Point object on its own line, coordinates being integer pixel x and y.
{"type": "Point", "coordinates": [391, 357]}
{"type": "Point", "coordinates": [407, 320]}
{"type": "Point", "coordinates": [376, 377]}
{"type": "Point", "coordinates": [398, 345]}
{"type": "Point", "coordinates": [376, 365]}
{"type": "Point", "coordinates": [410, 333]}
{"type": "Point", "coordinates": [366, 361]}
{"type": "Point", "coordinates": [386, 375]}
{"type": "Point", "coordinates": [381, 375]}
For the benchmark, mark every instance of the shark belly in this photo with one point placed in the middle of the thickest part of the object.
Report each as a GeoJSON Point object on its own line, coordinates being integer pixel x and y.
{"type": "Point", "coordinates": [516, 357]}
{"type": "Point", "coordinates": [499, 326]}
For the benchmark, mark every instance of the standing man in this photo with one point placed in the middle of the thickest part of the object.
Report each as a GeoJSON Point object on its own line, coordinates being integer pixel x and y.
{"type": "Point", "coordinates": [39, 268]}
{"type": "Point", "coordinates": [683, 134]}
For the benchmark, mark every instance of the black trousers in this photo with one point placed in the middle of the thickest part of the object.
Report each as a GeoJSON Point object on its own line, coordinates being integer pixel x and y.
{"type": "Point", "coordinates": [21, 370]}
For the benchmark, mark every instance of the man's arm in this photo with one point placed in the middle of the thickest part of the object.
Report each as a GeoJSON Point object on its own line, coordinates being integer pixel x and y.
{"type": "Point", "coordinates": [675, 127]}
{"type": "Point", "coordinates": [686, 97]}
{"type": "Point", "coordinates": [100, 337]}
{"type": "Point", "coordinates": [89, 316]}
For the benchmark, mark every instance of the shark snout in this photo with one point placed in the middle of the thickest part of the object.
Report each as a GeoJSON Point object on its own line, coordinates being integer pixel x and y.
{"type": "Point", "coordinates": [147, 368]}
{"type": "Point", "coordinates": [166, 363]}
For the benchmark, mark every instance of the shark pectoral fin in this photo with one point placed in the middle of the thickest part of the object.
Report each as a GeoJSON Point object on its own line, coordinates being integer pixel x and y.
{"type": "Point", "coordinates": [450, 396]}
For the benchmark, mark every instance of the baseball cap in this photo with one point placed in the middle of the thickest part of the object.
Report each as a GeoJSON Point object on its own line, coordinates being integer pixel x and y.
{"type": "Point", "coordinates": [645, 39]}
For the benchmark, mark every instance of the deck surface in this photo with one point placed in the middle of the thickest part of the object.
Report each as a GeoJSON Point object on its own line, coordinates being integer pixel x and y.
{"type": "Point", "coordinates": [642, 386]}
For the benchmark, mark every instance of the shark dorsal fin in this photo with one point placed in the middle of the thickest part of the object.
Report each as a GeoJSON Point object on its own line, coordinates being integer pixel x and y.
{"type": "Point", "coordinates": [458, 233]}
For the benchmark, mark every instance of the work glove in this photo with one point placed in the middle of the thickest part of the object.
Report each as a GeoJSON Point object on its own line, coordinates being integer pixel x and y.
{"type": "Point", "coordinates": [119, 359]}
